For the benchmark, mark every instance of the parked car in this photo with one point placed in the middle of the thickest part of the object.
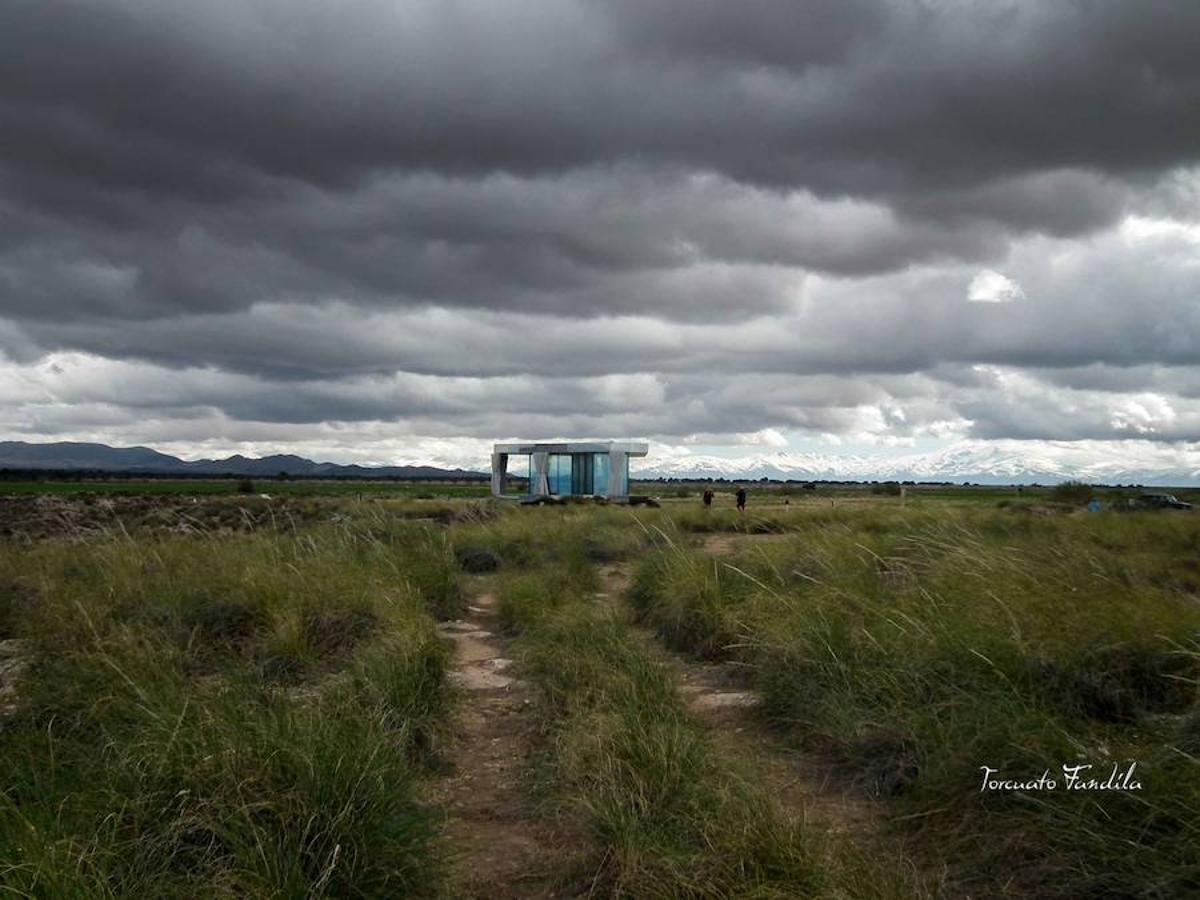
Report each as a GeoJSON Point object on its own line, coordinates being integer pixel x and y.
{"type": "Point", "coordinates": [1160, 501]}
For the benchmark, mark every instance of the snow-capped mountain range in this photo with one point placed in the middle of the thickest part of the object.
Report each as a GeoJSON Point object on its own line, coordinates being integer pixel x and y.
{"type": "Point", "coordinates": [978, 462]}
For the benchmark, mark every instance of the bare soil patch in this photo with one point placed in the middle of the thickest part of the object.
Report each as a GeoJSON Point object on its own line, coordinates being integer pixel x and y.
{"type": "Point", "coordinates": [501, 848]}
{"type": "Point", "coordinates": [725, 543]}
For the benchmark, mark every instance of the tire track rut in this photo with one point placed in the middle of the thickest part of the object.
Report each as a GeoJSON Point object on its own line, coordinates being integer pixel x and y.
{"type": "Point", "coordinates": [500, 847]}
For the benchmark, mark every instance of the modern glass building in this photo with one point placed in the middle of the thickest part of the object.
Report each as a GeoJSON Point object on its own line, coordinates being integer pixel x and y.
{"type": "Point", "coordinates": [591, 469]}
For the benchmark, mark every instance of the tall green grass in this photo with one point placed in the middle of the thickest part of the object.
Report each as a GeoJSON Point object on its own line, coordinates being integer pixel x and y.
{"type": "Point", "coordinates": [917, 647]}
{"type": "Point", "coordinates": [672, 817]}
{"type": "Point", "coordinates": [225, 716]}
{"type": "Point", "coordinates": [569, 539]}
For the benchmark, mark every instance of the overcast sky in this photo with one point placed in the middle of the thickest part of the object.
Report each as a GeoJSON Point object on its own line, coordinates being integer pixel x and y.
{"type": "Point", "coordinates": [394, 231]}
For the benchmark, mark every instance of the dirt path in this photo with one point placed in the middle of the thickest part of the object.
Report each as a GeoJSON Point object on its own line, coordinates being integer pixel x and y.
{"type": "Point", "coordinates": [718, 698]}
{"type": "Point", "coordinates": [501, 848]}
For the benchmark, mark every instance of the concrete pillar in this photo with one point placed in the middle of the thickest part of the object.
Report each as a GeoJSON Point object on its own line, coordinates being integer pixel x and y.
{"type": "Point", "coordinates": [616, 474]}
{"type": "Point", "coordinates": [499, 474]}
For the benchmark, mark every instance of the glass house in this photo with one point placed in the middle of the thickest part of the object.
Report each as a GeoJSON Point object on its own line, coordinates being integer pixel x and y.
{"type": "Point", "coordinates": [582, 469]}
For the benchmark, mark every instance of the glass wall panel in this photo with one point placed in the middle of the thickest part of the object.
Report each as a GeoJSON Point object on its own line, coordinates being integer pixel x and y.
{"type": "Point", "coordinates": [600, 473]}
{"type": "Point", "coordinates": [560, 473]}
{"type": "Point", "coordinates": [581, 474]}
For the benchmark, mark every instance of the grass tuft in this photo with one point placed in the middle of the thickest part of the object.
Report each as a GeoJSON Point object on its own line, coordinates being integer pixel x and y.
{"type": "Point", "coordinates": [915, 648]}
{"type": "Point", "coordinates": [248, 713]}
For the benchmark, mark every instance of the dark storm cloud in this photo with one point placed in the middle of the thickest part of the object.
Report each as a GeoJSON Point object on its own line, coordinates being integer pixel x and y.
{"type": "Point", "coordinates": [745, 215]}
{"type": "Point", "coordinates": [1103, 303]}
{"type": "Point", "coordinates": [203, 146]}
{"type": "Point", "coordinates": [324, 91]}
{"type": "Point", "coordinates": [754, 33]}
{"type": "Point", "coordinates": [596, 241]}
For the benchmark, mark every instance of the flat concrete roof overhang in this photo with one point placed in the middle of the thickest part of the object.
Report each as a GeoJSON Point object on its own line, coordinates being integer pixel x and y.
{"type": "Point", "coordinates": [631, 448]}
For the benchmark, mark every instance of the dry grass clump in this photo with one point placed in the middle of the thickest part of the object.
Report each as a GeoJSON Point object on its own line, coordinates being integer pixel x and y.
{"type": "Point", "coordinates": [917, 647]}
{"type": "Point", "coordinates": [569, 537]}
{"type": "Point", "coordinates": [247, 714]}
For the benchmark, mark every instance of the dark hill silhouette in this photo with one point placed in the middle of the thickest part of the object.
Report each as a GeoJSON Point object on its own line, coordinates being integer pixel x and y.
{"type": "Point", "coordinates": [71, 456]}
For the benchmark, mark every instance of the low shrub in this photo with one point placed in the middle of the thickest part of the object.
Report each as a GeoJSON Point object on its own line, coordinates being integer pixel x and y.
{"type": "Point", "coordinates": [1076, 493]}
{"type": "Point", "coordinates": [477, 560]}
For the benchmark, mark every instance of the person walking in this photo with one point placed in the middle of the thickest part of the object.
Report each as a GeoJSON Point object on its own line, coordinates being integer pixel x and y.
{"type": "Point", "coordinates": [708, 497]}
{"type": "Point", "coordinates": [741, 499]}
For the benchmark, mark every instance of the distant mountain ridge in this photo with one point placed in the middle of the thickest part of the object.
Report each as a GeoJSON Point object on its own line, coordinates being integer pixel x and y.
{"type": "Point", "coordinates": [67, 455]}
{"type": "Point", "coordinates": [977, 462]}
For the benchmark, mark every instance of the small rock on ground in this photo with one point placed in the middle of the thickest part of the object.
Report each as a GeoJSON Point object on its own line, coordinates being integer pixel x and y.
{"type": "Point", "coordinates": [720, 699]}
{"type": "Point", "coordinates": [479, 679]}
{"type": "Point", "coordinates": [14, 661]}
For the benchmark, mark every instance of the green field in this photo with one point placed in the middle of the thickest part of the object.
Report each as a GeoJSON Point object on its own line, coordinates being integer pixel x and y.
{"type": "Point", "coordinates": [289, 488]}
{"type": "Point", "coordinates": [241, 696]}
{"type": "Point", "coordinates": [770, 493]}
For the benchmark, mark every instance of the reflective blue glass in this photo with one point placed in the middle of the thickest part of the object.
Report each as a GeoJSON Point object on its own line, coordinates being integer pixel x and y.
{"type": "Point", "coordinates": [560, 473]}
{"type": "Point", "coordinates": [600, 474]}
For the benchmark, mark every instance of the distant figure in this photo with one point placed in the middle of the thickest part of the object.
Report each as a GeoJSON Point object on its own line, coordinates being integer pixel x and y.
{"type": "Point", "coordinates": [708, 497]}
{"type": "Point", "coordinates": [741, 499]}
